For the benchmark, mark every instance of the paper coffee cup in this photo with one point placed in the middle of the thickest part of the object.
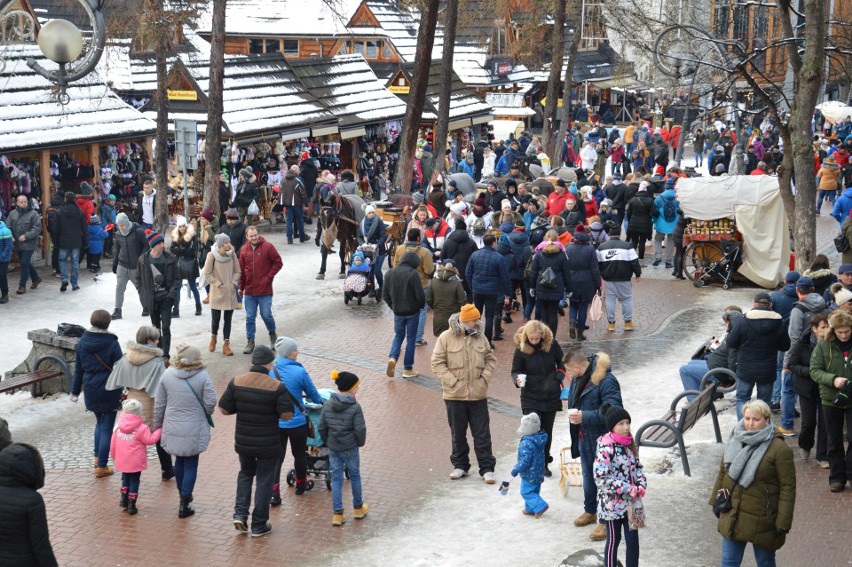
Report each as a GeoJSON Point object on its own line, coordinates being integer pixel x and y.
{"type": "Point", "coordinates": [522, 380]}
{"type": "Point", "coordinates": [573, 411]}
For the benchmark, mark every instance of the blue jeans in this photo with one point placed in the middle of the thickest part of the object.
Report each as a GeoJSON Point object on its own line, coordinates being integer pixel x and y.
{"type": "Point", "coordinates": [103, 435]}
{"type": "Point", "coordinates": [193, 287]}
{"type": "Point", "coordinates": [251, 303]}
{"type": "Point", "coordinates": [350, 459]}
{"type": "Point", "coordinates": [577, 311]}
{"type": "Point", "coordinates": [691, 374]}
{"type": "Point", "coordinates": [699, 158]}
{"type": "Point", "coordinates": [74, 255]}
{"type": "Point", "coordinates": [823, 194]}
{"type": "Point", "coordinates": [533, 502]}
{"type": "Point", "coordinates": [421, 323]}
{"type": "Point", "coordinates": [744, 389]}
{"type": "Point", "coordinates": [733, 551]}
{"type": "Point", "coordinates": [377, 270]}
{"type": "Point", "coordinates": [404, 327]}
{"type": "Point", "coordinates": [297, 215]}
{"type": "Point", "coordinates": [776, 386]}
{"type": "Point", "coordinates": [186, 470]}
{"type": "Point", "coordinates": [788, 401]}
{"type": "Point", "coordinates": [130, 482]}
{"type": "Point", "coordinates": [590, 489]}
{"type": "Point", "coordinates": [613, 539]}
{"type": "Point", "coordinates": [25, 258]}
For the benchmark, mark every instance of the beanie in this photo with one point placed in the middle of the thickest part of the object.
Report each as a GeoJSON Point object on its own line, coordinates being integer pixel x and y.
{"type": "Point", "coordinates": [110, 197]}
{"type": "Point", "coordinates": [188, 353]}
{"type": "Point", "coordinates": [579, 229]}
{"type": "Point", "coordinates": [505, 204]}
{"type": "Point", "coordinates": [232, 214]}
{"type": "Point", "coordinates": [208, 214]}
{"type": "Point", "coordinates": [458, 209]}
{"type": "Point", "coordinates": [469, 313]}
{"type": "Point", "coordinates": [507, 226]}
{"type": "Point", "coordinates": [122, 218]}
{"type": "Point", "coordinates": [530, 424]}
{"type": "Point", "coordinates": [180, 220]}
{"type": "Point", "coordinates": [346, 381]}
{"type": "Point", "coordinates": [262, 355]}
{"type": "Point", "coordinates": [86, 189]}
{"type": "Point", "coordinates": [613, 415]}
{"type": "Point", "coordinates": [222, 239]}
{"type": "Point", "coordinates": [285, 346]}
{"type": "Point", "coordinates": [479, 202]}
{"type": "Point", "coordinates": [132, 406]}
{"type": "Point", "coordinates": [792, 276]}
{"type": "Point", "coordinates": [154, 237]}
{"type": "Point", "coordinates": [842, 297]}
{"type": "Point", "coordinates": [94, 219]}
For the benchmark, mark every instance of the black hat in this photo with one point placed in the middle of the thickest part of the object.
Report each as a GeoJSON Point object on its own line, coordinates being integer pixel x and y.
{"type": "Point", "coordinates": [262, 355]}
{"type": "Point", "coordinates": [346, 381]}
{"type": "Point", "coordinates": [763, 298]}
{"type": "Point", "coordinates": [613, 414]}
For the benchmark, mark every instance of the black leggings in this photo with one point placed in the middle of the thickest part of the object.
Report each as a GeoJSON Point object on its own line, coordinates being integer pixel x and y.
{"type": "Point", "coordinates": [226, 328]}
{"type": "Point", "coordinates": [638, 243]}
{"type": "Point", "coordinates": [550, 314]}
{"type": "Point", "coordinates": [298, 437]}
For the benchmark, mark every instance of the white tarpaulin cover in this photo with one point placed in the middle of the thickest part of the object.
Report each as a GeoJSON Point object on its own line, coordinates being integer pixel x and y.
{"type": "Point", "coordinates": [834, 111]}
{"type": "Point", "coordinates": [754, 201]}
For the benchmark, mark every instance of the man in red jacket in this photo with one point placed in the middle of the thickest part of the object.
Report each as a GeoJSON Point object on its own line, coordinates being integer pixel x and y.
{"type": "Point", "coordinates": [259, 262]}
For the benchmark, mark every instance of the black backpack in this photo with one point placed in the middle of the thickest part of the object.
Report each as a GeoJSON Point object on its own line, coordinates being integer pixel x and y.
{"type": "Point", "coordinates": [547, 279]}
{"type": "Point", "coordinates": [669, 210]}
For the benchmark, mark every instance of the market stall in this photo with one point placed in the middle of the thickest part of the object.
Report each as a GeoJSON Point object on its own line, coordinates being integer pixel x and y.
{"type": "Point", "coordinates": [726, 209]}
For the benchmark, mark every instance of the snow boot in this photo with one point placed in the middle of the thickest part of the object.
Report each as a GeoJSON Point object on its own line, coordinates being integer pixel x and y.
{"type": "Point", "coordinates": [273, 336]}
{"type": "Point", "coordinates": [572, 331]}
{"type": "Point", "coordinates": [131, 504]}
{"type": "Point", "coordinates": [122, 501]}
{"type": "Point", "coordinates": [197, 309]}
{"type": "Point", "coordinates": [249, 347]}
{"type": "Point", "coordinates": [185, 509]}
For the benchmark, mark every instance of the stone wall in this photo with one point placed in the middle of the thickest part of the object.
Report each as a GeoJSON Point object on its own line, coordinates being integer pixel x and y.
{"type": "Point", "coordinates": [45, 342]}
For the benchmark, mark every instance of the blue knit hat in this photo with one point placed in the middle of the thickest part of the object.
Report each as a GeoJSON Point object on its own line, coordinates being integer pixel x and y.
{"type": "Point", "coordinates": [154, 237]}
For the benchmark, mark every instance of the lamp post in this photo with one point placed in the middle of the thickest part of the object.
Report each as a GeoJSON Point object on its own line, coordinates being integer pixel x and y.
{"type": "Point", "coordinates": [61, 42]}
{"type": "Point", "coordinates": [680, 64]}
{"type": "Point", "coordinates": [723, 53]}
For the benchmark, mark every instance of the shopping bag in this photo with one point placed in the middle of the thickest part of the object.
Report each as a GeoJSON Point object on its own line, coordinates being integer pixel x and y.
{"type": "Point", "coordinates": [253, 209]}
{"type": "Point", "coordinates": [596, 309]}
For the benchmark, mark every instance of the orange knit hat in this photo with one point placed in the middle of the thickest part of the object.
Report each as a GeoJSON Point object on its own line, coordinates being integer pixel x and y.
{"type": "Point", "coordinates": [469, 313]}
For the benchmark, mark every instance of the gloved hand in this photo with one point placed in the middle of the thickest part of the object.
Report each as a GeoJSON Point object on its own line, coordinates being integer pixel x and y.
{"type": "Point", "coordinates": [636, 491]}
{"type": "Point", "coordinates": [114, 269]}
{"type": "Point", "coordinates": [514, 473]}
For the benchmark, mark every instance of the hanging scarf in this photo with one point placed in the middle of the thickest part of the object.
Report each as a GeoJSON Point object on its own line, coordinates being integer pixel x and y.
{"type": "Point", "coordinates": [745, 450]}
{"type": "Point", "coordinates": [226, 257]}
{"type": "Point", "coordinates": [370, 228]}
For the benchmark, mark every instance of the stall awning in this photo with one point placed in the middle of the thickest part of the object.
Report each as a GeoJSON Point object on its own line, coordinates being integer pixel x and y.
{"type": "Point", "coordinates": [353, 132]}
{"type": "Point", "coordinates": [481, 119]}
{"type": "Point", "coordinates": [456, 124]}
{"type": "Point", "coordinates": [324, 130]}
{"type": "Point", "coordinates": [625, 82]}
{"type": "Point", "coordinates": [295, 134]}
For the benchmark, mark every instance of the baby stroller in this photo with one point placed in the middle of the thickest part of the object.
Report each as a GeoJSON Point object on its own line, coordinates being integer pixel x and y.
{"type": "Point", "coordinates": [359, 279]}
{"type": "Point", "coordinates": [317, 452]}
{"type": "Point", "coordinates": [723, 270]}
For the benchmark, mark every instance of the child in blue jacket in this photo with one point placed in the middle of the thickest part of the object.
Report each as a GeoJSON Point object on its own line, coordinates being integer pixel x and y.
{"type": "Point", "coordinates": [5, 257]}
{"type": "Point", "coordinates": [97, 235]}
{"type": "Point", "coordinates": [108, 212]}
{"type": "Point", "coordinates": [531, 464]}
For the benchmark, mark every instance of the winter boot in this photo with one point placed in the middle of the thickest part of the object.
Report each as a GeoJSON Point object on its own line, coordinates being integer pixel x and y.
{"type": "Point", "coordinates": [226, 348]}
{"type": "Point", "coordinates": [212, 346]}
{"type": "Point", "coordinates": [276, 495]}
{"type": "Point", "coordinates": [249, 347]}
{"type": "Point", "coordinates": [131, 504]}
{"type": "Point", "coordinates": [175, 312]}
{"type": "Point", "coordinates": [572, 331]}
{"type": "Point", "coordinates": [197, 309]}
{"type": "Point", "coordinates": [4, 299]}
{"type": "Point", "coordinates": [303, 485]}
{"type": "Point", "coordinates": [580, 335]}
{"type": "Point", "coordinates": [206, 300]}
{"type": "Point", "coordinates": [185, 509]}
{"type": "Point", "coordinates": [122, 501]}
{"type": "Point", "coordinates": [116, 315]}
{"type": "Point", "coordinates": [273, 336]}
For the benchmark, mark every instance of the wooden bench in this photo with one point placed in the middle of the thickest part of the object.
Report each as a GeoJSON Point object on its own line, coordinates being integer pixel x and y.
{"type": "Point", "coordinates": [34, 378]}
{"type": "Point", "coordinates": [731, 377]}
{"type": "Point", "coordinates": [669, 430]}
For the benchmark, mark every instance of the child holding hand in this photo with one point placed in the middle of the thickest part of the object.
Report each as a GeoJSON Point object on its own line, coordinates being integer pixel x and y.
{"type": "Point", "coordinates": [129, 451]}
{"type": "Point", "coordinates": [530, 464]}
{"type": "Point", "coordinates": [619, 478]}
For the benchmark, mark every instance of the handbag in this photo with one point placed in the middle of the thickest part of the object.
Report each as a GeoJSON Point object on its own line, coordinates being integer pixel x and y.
{"type": "Point", "coordinates": [310, 425]}
{"type": "Point", "coordinates": [596, 309]}
{"type": "Point", "coordinates": [187, 267]}
{"type": "Point", "coordinates": [841, 243]}
{"type": "Point", "coordinates": [253, 209]}
{"type": "Point", "coordinates": [194, 393]}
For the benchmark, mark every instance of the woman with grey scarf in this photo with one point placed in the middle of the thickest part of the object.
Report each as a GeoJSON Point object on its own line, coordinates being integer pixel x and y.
{"type": "Point", "coordinates": [758, 477]}
{"type": "Point", "coordinates": [372, 231]}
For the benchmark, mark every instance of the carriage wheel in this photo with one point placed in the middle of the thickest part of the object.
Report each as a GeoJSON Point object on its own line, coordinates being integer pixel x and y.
{"type": "Point", "coordinates": [699, 256]}
{"type": "Point", "coordinates": [291, 477]}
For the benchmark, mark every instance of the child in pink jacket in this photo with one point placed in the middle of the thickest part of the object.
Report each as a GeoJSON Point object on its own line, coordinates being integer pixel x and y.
{"type": "Point", "coordinates": [129, 450]}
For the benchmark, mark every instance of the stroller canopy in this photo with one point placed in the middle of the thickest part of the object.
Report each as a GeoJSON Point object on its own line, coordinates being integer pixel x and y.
{"type": "Point", "coordinates": [754, 201]}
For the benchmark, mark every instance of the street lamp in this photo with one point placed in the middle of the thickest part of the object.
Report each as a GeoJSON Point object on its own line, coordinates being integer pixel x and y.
{"type": "Point", "coordinates": [61, 42]}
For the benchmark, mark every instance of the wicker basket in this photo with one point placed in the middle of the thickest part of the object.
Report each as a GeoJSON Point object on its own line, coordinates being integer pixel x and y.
{"type": "Point", "coordinates": [571, 471]}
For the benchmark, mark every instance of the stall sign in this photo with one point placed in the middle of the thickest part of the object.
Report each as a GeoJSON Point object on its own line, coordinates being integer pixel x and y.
{"type": "Point", "coordinates": [502, 67]}
{"type": "Point", "coordinates": [182, 95]}
{"type": "Point", "coordinates": [399, 89]}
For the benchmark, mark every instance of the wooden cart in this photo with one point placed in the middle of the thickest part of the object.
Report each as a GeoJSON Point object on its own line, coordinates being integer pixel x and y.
{"type": "Point", "coordinates": [396, 219]}
{"type": "Point", "coordinates": [702, 242]}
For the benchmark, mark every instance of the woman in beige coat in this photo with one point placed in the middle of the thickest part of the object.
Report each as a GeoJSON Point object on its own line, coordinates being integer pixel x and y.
{"type": "Point", "coordinates": [222, 272]}
{"type": "Point", "coordinates": [139, 372]}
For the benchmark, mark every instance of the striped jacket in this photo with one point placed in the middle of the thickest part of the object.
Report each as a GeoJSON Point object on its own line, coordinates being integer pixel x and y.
{"type": "Point", "coordinates": [618, 261]}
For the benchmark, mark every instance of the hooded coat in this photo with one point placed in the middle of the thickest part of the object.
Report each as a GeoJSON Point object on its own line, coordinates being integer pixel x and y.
{"type": "Point", "coordinates": [236, 233]}
{"type": "Point", "coordinates": [616, 469]}
{"type": "Point", "coordinates": [487, 274]}
{"type": "Point", "coordinates": [186, 432]}
{"type": "Point", "coordinates": [24, 538]}
{"type": "Point", "coordinates": [140, 372]}
{"type": "Point", "coordinates": [145, 278]}
{"type": "Point", "coordinates": [640, 214]}
{"type": "Point", "coordinates": [129, 445]}
{"type": "Point", "coordinates": [459, 247]}
{"type": "Point", "coordinates": [426, 267]}
{"type": "Point", "coordinates": [763, 512]}
{"type": "Point", "coordinates": [72, 228]}
{"type": "Point", "coordinates": [445, 296]}
{"type": "Point", "coordinates": [341, 423]}
{"type": "Point", "coordinates": [531, 458]}
{"type": "Point", "coordinates": [551, 256]}
{"type": "Point", "coordinates": [403, 291]}
{"type": "Point", "coordinates": [186, 250]}
{"type": "Point", "coordinates": [584, 268]}
{"type": "Point", "coordinates": [541, 362]}
{"type": "Point", "coordinates": [758, 336]}
{"type": "Point", "coordinates": [464, 362]}
{"type": "Point", "coordinates": [293, 190]}
{"type": "Point", "coordinates": [800, 315]}
{"type": "Point", "coordinates": [6, 243]}
{"type": "Point", "coordinates": [841, 209]}
{"type": "Point", "coordinates": [246, 191]}
{"type": "Point", "coordinates": [90, 375]}
{"type": "Point", "coordinates": [597, 386]}
{"type": "Point", "coordinates": [661, 225]}
{"type": "Point", "coordinates": [297, 381]}
{"type": "Point", "coordinates": [519, 241]}
{"type": "Point", "coordinates": [827, 363]}
{"type": "Point", "coordinates": [127, 248]}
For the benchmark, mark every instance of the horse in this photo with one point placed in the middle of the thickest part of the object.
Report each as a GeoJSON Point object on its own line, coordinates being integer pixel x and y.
{"type": "Point", "coordinates": [339, 218]}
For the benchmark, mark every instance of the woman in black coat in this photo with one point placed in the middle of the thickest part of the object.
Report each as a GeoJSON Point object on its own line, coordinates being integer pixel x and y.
{"type": "Point", "coordinates": [585, 280]}
{"type": "Point", "coordinates": [24, 539]}
{"type": "Point", "coordinates": [677, 237]}
{"type": "Point", "coordinates": [640, 220]}
{"type": "Point", "coordinates": [185, 247]}
{"type": "Point", "coordinates": [549, 291]}
{"type": "Point", "coordinates": [539, 358]}
{"type": "Point", "coordinates": [459, 247]}
{"type": "Point", "coordinates": [808, 390]}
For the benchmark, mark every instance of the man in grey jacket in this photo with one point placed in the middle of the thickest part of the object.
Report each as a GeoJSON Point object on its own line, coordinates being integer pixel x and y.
{"type": "Point", "coordinates": [25, 224]}
{"type": "Point", "coordinates": [129, 243]}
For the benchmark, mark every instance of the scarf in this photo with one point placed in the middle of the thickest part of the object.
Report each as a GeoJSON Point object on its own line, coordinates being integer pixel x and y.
{"type": "Point", "coordinates": [625, 440]}
{"type": "Point", "coordinates": [370, 227]}
{"type": "Point", "coordinates": [745, 450]}
{"type": "Point", "coordinates": [226, 257]}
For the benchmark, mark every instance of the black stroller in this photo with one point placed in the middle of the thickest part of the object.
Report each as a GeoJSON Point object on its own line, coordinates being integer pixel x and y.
{"type": "Point", "coordinates": [359, 281]}
{"type": "Point", "coordinates": [722, 270]}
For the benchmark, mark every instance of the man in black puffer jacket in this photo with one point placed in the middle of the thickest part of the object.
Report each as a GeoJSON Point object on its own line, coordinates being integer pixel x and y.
{"type": "Point", "coordinates": [459, 247]}
{"type": "Point", "coordinates": [128, 243]}
{"type": "Point", "coordinates": [758, 337]}
{"type": "Point", "coordinates": [24, 539]}
{"type": "Point", "coordinates": [259, 402]}
{"type": "Point", "coordinates": [73, 237]}
{"type": "Point", "coordinates": [404, 294]}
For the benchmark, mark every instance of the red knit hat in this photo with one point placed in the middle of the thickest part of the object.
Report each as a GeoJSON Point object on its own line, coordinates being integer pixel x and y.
{"type": "Point", "coordinates": [579, 229]}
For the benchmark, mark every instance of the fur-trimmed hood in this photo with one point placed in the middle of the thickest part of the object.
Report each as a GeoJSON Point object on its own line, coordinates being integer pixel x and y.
{"type": "Point", "coordinates": [760, 313]}
{"type": "Point", "coordinates": [187, 237]}
{"type": "Point", "coordinates": [446, 272]}
{"type": "Point", "coordinates": [525, 347]}
{"type": "Point", "coordinates": [137, 354]}
{"type": "Point", "coordinates": [602, 365]}
{"type": "Point", "coordinates": [816, 274]}
{"type": "Point", "coordinates": [187, 369]}
{"type": "Point", "coordinates": [456, 328]}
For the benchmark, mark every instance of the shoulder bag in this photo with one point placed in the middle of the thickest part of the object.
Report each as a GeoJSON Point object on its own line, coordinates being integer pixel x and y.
{"type": "Point", "coordinates": [194, 393]}
{"type": "Point", "coordinates": [311, 431]}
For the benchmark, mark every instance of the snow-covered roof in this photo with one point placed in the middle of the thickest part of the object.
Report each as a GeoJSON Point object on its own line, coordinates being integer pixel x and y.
{"type": "Point", "coordinates": [30, 118]}
{"type": "Point", "coordinates": [471, 64]}
{"type": "Point", "coordinates": [400, 27]}
{"type": "Point", "coordinates": [282, 17]}
{"type": "Point", "coordinates": [463, 102]}
{"type": "Point", "coordinates": [261, 94]}
{"type": "Point", "coordinates": [349, 89]}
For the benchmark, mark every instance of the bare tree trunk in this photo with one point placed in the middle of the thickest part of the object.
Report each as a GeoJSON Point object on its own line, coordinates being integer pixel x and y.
{"type": "Point", "coordinates": [557, 47]}
{"type": "Point", "coordinates": [417, 96]}
{"type": "Point", "coordinates": [213, 144]}
{"type": "Point", "coordinates": [161, 157]}
{"type": "Point", "coordinates": [566, 96]}
{"type": "Point", "coordinates": [441, 128]}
